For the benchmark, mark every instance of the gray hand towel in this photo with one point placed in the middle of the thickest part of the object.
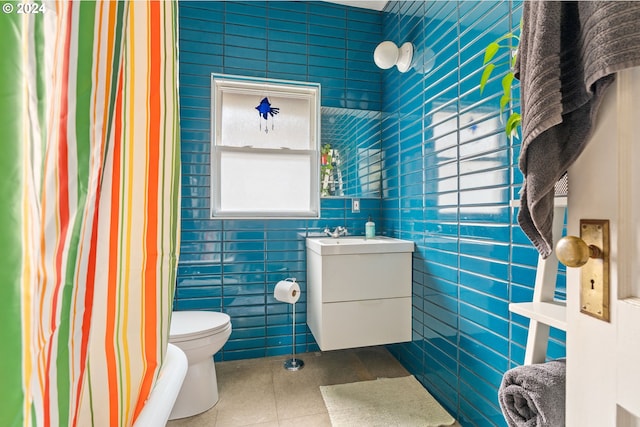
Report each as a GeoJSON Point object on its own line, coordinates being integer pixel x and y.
{"type": "Point", "coordinates": [567, 57]}
{"type": "Point", "coordinates": [534, 395]}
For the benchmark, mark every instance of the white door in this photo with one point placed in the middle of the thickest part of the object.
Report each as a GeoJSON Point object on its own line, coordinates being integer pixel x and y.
{"type": "Point", "coordinates": [603, 359]}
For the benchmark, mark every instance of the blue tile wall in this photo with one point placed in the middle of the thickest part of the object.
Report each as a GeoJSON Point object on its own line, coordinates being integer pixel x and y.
{"type": "Point", "coordinates": [450, 175]}
{"type": "Point", "coordinates": [233, 266]}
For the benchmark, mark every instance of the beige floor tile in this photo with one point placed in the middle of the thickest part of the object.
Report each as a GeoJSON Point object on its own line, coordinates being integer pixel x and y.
{"type": "Point", "coordinates": [297, 392]}
{"type": "Point", "coordinates": [249, 413]}
{"type": "Point", "coordinates": [318, 420]}
{"type": "Point", "coordinates": [252, 403]}
{"type": "Point", "coordinates": [334, 367]}
{"type": "Point", "coordinates": [380, 363]}
{"type": "Point", "coordinates": [246, 393]}
{"type": "Point", "coordinates": [206, 419]}
{"type": "Point", "coordinates": [261, 393]}
{"type": "Point", "coordinates": [297, 396]}
{"type": "Point", "coordinates": [267, 424]}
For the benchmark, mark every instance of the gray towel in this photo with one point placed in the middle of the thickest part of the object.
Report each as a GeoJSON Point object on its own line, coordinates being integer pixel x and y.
{"type": "Point", "coordinates": [534, 395]}
{"type": "Point", "coordinates": [567, 57]}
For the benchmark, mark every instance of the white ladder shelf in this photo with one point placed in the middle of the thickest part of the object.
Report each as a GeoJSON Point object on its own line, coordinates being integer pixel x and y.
{"type": "Point", "coordinates": [543, 312]}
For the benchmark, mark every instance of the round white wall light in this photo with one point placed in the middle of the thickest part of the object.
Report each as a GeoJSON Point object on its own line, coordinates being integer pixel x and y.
{"type": "Point", "coordinates": [387, 54]}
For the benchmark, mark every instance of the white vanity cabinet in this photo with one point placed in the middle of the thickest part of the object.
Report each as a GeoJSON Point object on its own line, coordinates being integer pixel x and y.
{"type": "Point", "coordinates": [359, 291]}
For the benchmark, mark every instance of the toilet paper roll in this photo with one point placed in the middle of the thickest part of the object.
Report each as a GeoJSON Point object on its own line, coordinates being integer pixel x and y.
{"type": "Point", "coordinates": [287, 291]}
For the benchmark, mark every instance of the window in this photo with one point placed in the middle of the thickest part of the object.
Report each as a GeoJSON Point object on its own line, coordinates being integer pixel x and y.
{"type": "Point", "coordinates": [265, 148]}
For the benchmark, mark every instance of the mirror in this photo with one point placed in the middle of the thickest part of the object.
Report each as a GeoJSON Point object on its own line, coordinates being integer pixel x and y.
{"type": "Point", "coordinates": [351, 153]}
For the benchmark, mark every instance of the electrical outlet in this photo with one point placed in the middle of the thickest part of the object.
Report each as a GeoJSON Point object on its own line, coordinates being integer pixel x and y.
{"type": "Point", "coordinates": [355, 205]}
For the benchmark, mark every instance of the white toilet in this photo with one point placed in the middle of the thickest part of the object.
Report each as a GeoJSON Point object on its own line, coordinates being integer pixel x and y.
{"type": "Point", "coordinates": [200, 334]}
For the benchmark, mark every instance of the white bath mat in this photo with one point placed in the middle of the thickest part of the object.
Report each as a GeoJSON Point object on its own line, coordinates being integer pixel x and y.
{"type": "Point", "coordinates": [383, 402]}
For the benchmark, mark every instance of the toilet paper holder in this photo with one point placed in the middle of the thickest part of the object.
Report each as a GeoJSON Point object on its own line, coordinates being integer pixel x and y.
{"type": "Point", "coordinates": [293, 363]}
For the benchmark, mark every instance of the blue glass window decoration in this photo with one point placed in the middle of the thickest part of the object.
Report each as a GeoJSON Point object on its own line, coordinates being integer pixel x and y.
{"type": "Point", "coordinates": [264, 111]}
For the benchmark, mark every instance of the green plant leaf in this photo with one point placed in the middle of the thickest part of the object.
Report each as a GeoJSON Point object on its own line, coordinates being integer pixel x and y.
{"type": "Point", "coordinates": [506, 84]}
{"type": "Point", "coordinates": [506, 36]}
{"type": "Point", "coordinates": [504, 101]}
{"type": "Point", "coordinates": [490, 52]}
{"type": "Point", "coordinates": [513, 122]}
{"type": "Point", "coordinates": [506, 90]}
{"type": "Point", "coordinates": [485, 76]}
{"type": "Point", "coordinates": [511, 42]}
{"type": "Point", "coordinates": [514, 56]}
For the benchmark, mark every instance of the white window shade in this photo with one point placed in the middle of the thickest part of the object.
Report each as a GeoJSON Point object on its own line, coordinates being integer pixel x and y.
{"type": "Point", "coordinates": [271, 184]}
{"type": "Point", "coordinates": [264, 167]}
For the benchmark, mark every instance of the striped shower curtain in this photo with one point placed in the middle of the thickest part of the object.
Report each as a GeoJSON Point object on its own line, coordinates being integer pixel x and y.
{"type": "Point", "coordinates": [89, 208]}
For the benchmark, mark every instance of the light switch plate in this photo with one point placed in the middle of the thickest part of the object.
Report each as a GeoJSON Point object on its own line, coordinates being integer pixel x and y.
{"type": "Point", "coordinates": [355, 205]}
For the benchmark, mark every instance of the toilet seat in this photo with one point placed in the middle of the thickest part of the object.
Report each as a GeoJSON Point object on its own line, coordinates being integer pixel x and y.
{"type": "Point", "coordinates": [191, 325]}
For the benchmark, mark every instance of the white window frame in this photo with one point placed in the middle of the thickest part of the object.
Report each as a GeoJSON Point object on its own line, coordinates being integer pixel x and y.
{"type": "Point", "coordinates": [290, 193]}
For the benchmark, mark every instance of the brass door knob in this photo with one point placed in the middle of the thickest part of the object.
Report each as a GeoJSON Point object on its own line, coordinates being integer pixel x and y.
{"type": "Point", "coordinates": [591, 251]}
{"type": "Point", "coordinates": [572, 251]}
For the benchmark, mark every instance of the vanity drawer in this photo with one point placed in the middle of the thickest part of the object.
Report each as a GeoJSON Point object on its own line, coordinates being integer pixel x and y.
{"type": "Point", "coordinates": [365, 323]}
{"type": "Point", "coordinates": [366, 277]}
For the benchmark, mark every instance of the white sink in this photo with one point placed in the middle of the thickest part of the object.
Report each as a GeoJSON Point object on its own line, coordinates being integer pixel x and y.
{"type": "Point", "coordinates": [358, 245]}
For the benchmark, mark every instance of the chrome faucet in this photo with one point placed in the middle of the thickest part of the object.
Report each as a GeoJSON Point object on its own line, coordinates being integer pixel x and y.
{"type": "Point", "coordinates": [339, 231]}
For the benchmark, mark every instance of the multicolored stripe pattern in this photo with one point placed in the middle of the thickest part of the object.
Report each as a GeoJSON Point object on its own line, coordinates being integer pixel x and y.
{"type": "Point", "coordinates": [89, 209]}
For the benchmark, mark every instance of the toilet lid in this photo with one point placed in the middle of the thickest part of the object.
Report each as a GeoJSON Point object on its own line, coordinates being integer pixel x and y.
{"type": "Point", "coordinates": [194, 324]}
